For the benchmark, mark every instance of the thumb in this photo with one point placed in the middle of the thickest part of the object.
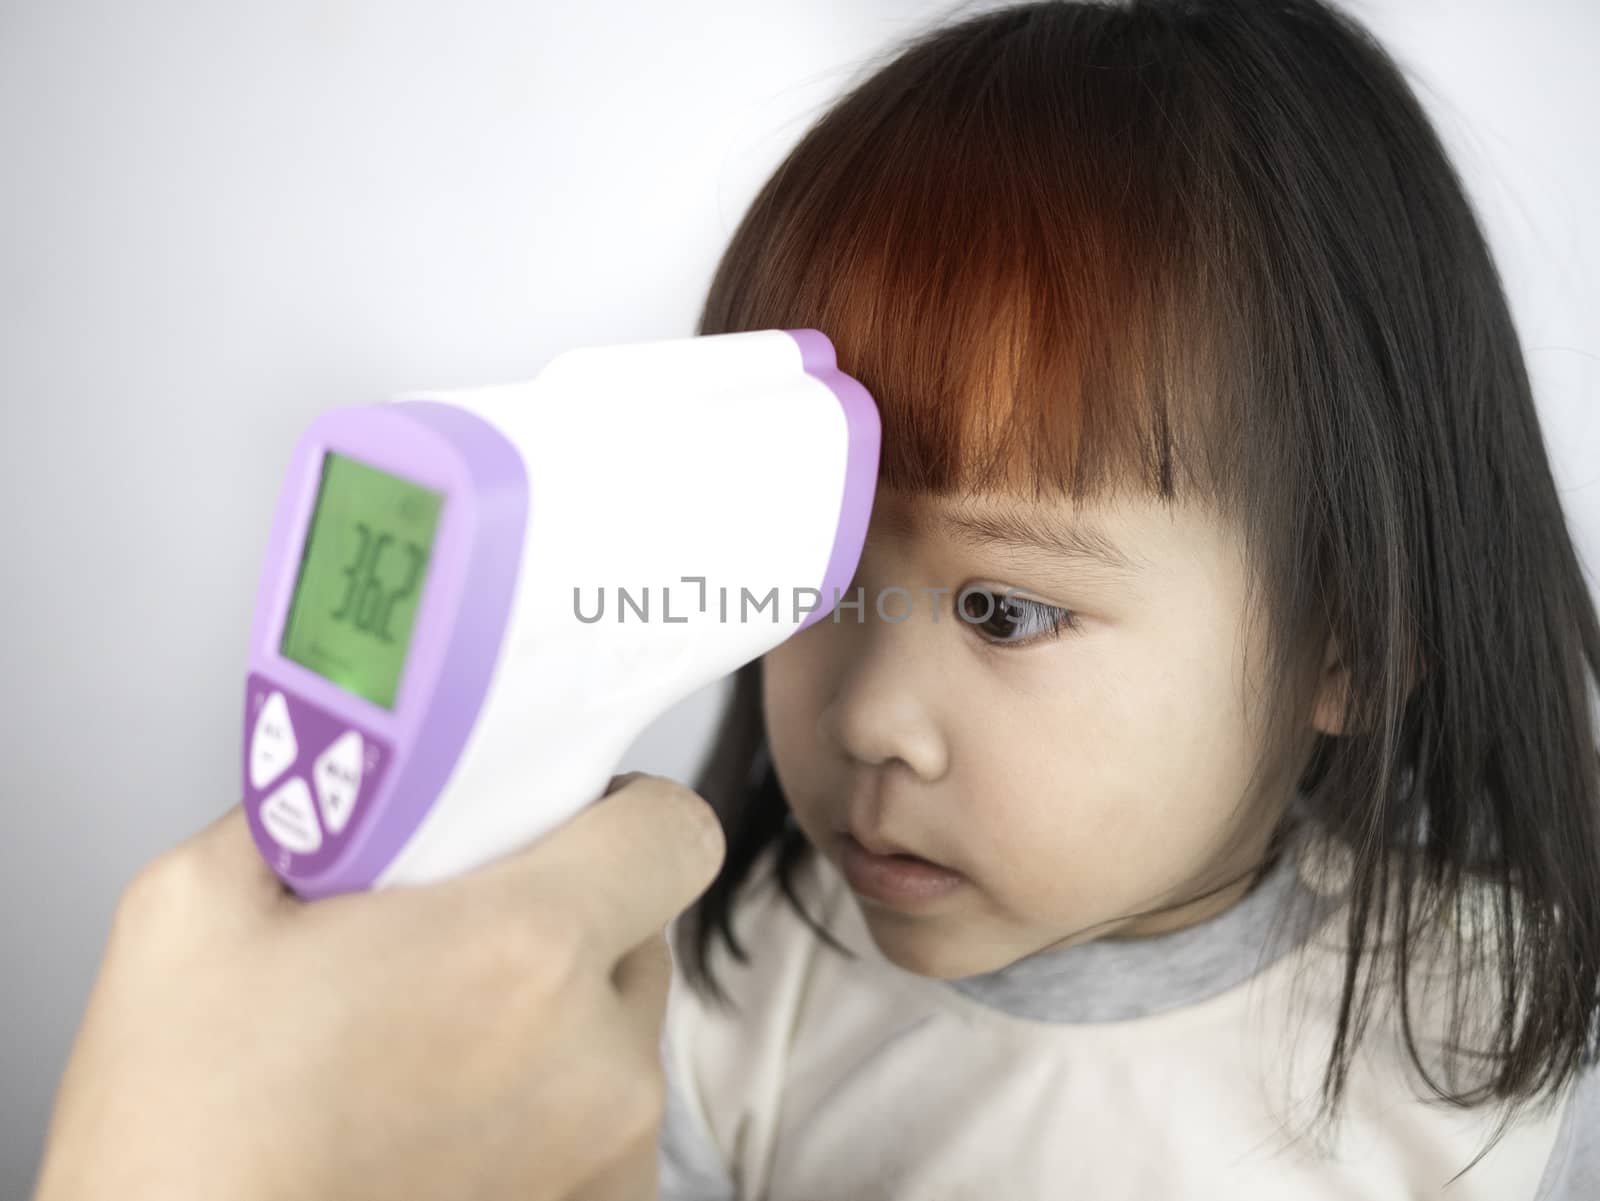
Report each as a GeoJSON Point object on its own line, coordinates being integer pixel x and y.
{"type": "Point", "coordinates": [619, 870]}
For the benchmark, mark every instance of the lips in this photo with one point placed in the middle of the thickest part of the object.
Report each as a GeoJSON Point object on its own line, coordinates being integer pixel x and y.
{"type": "Point", "coordinates": [897, 878]}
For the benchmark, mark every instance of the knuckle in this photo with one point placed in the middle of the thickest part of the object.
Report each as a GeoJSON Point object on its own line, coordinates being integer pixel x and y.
{"type": "Point", "coordinates": [674, 804]}
{"type": "Point", "coordinates": [696, 810]}
{"type": "Point", "coordinates": [682, 794]}
{"type": "Point", "coordinates": [162, 887]}
{"type": "Point", "coordinates": [708, 826]}
{"type": "Point", "coordinates": [659, 789]}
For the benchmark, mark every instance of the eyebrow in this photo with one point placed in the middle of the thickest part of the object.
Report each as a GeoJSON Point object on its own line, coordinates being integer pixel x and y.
{"type": "Point", "coordinates": [1079, 542]}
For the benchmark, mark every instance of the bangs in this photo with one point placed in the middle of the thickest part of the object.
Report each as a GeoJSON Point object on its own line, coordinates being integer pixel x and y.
{"type": "Point", "coordinates": [999, 236]}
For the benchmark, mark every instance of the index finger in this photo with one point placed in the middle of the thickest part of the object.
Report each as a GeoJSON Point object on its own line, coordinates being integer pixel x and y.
{"type": "Point", "coordinates": [625, 866]}
{"type": "Point", "coordinates": [225, 849]}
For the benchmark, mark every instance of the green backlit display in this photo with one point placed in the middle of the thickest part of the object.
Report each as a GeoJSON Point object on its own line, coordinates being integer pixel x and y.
{"type": "Point", "coordinates": [361, 576]}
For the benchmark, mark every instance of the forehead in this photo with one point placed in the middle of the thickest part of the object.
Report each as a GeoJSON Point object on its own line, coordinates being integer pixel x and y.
{"type": "Point", "coordinates": [1129, 537]}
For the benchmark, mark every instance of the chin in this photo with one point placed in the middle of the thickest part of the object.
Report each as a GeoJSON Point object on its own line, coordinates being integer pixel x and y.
{"type": "Point", "coordinates": [936, 954]}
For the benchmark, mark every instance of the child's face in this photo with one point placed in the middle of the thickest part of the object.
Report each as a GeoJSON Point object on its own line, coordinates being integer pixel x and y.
{"type": "Point", "coordinates": [1069, 780]}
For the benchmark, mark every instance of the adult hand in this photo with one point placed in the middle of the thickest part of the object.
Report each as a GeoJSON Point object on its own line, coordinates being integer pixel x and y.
{"type": "Point", "coordinates": [495, 1035]}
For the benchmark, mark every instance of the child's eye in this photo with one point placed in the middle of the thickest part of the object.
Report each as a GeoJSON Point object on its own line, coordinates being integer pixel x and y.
{"type": "Point", "coordinates": [1009, 614]}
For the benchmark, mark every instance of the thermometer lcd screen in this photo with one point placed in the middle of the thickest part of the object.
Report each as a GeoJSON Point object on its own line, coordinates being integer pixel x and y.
{"type": "Point", "coordinates": [366, 557]}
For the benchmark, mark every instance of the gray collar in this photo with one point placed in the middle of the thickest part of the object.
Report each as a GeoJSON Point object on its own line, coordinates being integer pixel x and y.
{"type": "Point", "coordinates": [1108, 981]}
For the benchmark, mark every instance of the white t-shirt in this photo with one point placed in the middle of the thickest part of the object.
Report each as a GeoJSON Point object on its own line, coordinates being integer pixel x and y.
{"type": "Point", "coordinates": [1139, 1069]}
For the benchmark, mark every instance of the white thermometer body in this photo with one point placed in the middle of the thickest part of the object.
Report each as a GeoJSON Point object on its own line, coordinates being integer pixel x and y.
{"type": "Point", "coordinates": [474, 601]}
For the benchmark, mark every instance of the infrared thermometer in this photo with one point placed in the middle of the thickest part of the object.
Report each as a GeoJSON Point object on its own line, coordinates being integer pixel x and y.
{"type": "Point", "coordinates": [474, 601]}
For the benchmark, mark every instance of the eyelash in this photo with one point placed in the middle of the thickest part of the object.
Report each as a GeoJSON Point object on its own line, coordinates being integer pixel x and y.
{"type": "Point", "coordinates": [1060, 619]}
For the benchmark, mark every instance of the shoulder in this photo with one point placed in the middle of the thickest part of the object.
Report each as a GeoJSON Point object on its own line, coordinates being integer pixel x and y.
{"type": "Point", "coordinates": [1573, 1171]}
{"type": "Point", "coordinates": [724, 1062]}
{"type": "Point", "coordinates": [693, 1165]}
{"type": "Point", "coordinates": [1451, 977]}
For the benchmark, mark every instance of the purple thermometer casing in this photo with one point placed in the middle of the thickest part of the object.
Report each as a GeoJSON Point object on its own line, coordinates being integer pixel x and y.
{"type": "Point", "coordinates": [861, 467]}
{"type": "Point", "coordinates": [409, 751]}
{"type": "Point", "coordinates": [326, 829]}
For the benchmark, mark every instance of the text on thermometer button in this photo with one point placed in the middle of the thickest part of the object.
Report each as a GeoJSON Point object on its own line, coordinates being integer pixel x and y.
{"type": "Point", "coordinates": [288, 817]}
{"type": "Point", "coordinates": [272, 742]}
{"type": "Point", "coordinates": [337, 774]}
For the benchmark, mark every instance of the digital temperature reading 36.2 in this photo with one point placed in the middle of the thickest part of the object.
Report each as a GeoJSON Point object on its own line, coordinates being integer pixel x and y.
{"type": "Point", "coordinates": [366, 557]}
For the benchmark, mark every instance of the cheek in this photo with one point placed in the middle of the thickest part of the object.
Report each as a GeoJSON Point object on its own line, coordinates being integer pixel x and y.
{"type": "Point", "coordinates": [1204, 727]}
{"type": "Point", "coordinates": [793, 681]}
{"type": "Point", "coordinates": [1116, 783]}
{"type": "Point", "coordinates": [1085, 744]}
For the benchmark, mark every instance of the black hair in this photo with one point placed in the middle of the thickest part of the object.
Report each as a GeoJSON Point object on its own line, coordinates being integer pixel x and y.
{"type": "Point", "coordinates": [1216, 247]}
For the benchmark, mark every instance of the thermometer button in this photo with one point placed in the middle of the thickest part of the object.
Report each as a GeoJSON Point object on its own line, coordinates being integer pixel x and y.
{"type": "Point", "coordinates": [338, 778]}
{"type": "Point", "coordinates": [288, 817]}
{"type": "Point", "coordinates": [272, 744]}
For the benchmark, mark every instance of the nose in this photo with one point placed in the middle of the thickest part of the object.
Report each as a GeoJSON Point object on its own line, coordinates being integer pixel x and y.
{"type": "Point", "coordinates": [883, 706]}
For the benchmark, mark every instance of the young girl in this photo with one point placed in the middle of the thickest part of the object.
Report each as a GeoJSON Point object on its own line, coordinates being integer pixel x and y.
{"type": "Point", "coordinates": [1220, 818]}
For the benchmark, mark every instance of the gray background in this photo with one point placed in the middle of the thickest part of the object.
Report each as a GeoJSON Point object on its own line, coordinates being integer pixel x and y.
{"type": "Point", "coordinates": [218, 220]}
